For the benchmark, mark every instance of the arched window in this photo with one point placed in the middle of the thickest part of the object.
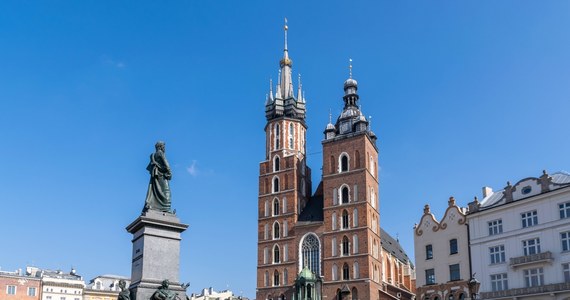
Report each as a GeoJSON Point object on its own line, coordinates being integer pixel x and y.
{"type": "Point", "coordinates": [344, 219]}
{"type": "Point", "coordinates": [276, 256]}
{"type": "Point", "coordinates": [343, 162]}
{"type": "Point", "coordinates": [266, 279]}
{"type": "Point", "coordinates": [345, 245]}
{"type": "Point", "coordinates": [344, 194]}
{"type": "Point", "coordinates": [277, 136]}
{"type": "Point", "coordinates": [345, 272]}
{"type": "Point", "coordinates": [276, 278]}
{"type": "Point", "coordinates": [355, 270]}
{"type": "Point", "coordinates": [291, 132]}
{"type": "Point", "coordinates": [275, 184]}
{"type": "Point", "coordinates": [354, 294]}
{"type": "Point", "coordinates": [334, 221]}
{"type": "Point", "coordinates": [275, 207]}
{"type": "Point", "coordinates": [276, 164]}
{"type": "Point", "coordinates": [357, 159]}
{"type": "Point", "coordinates": [355, 244]}
{"type": "Point", "coordinates": [355, 218]}
{"type": "Point", "coordinates": [334, 272]}
{"type": "Point", "coordinates": [276, 232]}
{"type": "Point", "coordinates": [310, 253]}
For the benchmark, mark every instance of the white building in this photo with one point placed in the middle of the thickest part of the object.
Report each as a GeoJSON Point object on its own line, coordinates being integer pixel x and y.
{"type": "Point", "coordinates": [104, 287]}
{"type": "Point", "coordinates": [520, 239]}
{"type": "Point", "coordinates": [210, 294]}
{"type": "Point", "coordinates": [442, 255]}
{"type": "Point", "coordinates": [57, 285]}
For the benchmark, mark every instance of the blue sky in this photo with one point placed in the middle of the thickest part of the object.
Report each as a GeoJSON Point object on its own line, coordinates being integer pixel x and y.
{"type": "Point", "coordinates": [462, 94]}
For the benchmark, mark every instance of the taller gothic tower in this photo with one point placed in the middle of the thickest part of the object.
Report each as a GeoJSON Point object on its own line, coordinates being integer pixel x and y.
{"type": "Point", "coordinates": [284, 184]}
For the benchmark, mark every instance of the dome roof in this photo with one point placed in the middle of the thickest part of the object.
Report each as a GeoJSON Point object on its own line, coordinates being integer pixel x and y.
{"type": "Point", "coordinates": [330, 127]}
{"type": "Point", "coordinates": [350, 82]}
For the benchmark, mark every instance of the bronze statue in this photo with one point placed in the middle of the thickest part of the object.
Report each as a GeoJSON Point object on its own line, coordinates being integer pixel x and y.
{"type": "Point", "coordinates": [158, 195]}
{"type": "Point", "coordinates": [125, 293]}
{"type": "Point", "coordinates": [164, 293]}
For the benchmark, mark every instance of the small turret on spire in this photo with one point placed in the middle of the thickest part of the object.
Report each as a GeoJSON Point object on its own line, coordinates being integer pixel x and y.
{"type": "Point", "coordinates": [299, 91]}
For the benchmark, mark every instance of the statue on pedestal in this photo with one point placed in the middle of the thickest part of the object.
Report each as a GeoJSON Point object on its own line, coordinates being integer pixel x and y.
{"type": "Point", "coordinates": [158, 195]}
{"type": "Point", "coordinates": [164, 293]}
{"type": "Point", "coordinates": [125, 293]}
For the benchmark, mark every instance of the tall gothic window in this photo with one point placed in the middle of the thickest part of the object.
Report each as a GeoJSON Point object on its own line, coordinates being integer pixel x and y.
{"type": "Point", "coordinates": [276, 231]}
{"type": "Point", "coordinates": [310, 253]}
{"type": "Point", "coordinates": [276, 278]}
{"type": "Point", "coordinates": [291, 132]}
{"type": "Point", "coordinates": [345, 247]}
{"type": "Point", "coordinates": [344, 194]}
{"type": "Point", "coordinates": [344, 219]}
{"type": "Point", "coordinates": [276, 162]}
{"type": "Point", "coordinates": [345, 272]}
{"type": "Point", "coordinates": [276, 256]}
{"type": "Point", "coordinates": [277, 136]}
{"type": "Point", "coordinates": [344, 163]}
{"type": "Point", "coordinates": [276, 184]}
{"type": "Point", "coordinates": [275, 207]}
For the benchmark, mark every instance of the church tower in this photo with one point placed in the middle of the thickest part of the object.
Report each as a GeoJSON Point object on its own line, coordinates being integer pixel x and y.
{"type": "Point", "coordinates": [284, 184]}
{"type": "Point", "coordinates": [352, 261]}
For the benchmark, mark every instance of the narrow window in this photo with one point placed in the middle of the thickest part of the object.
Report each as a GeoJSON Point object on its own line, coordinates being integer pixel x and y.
{"type": "Point", "coordinates": [266, 232]}
{"type": "Point", "coordinates": [345, 246]}
{"type": "Point", "coordinates": [266, 278]}
{"type": "Point", "coordinates": [334, 221]}
{"type": "Point", "coordinates": [355, 270]}
{"type": "Point", "coordinates": [565, 240]}
{"type": "Point", "coordinates": [343, 163]}
{"type": "Point", "coordinates": [284, 205]}
{"type": "Point", "coordinates": [354, 293]}
{"type": "Point", "coordinates": [344, 194]}
{"type": "Point", "coordinates": [430, 276]}
{"type": "Point", "coordinates": [276, 164]}
{"type": "Point", "coordinates": [355, 244]}
{"type": "Point", "coordinates": [276, 232]}
{"type": "Point", "coordinates": [453, 246]}
{"type": "Point", "coordinates": [566, 272]}
{"type": "Point", "coordinates": [355, 218]}
{"type": "Point", "coordinates": [454, 272]}
{"type": "Point", "coordinates": [276, 256]}
{"type": "Point", "coordinates": [344, 219]}
{"type": "Point", "coordinates": [564, 210]}
{"type": "Point", "coordinates": [429, 252]}
{"type": "Point", "coordinates": [266, 213]}
{"type": "Point", "coordinates": [333, 247]}
{"type": "Point", "coordinates": [285, 228]}
{"type": "Point", "coordinates": [276, 278]}
{"type": "Point", "coordinates": [275, 207]}
{"type": "Point", "coordinates": [286, 252]}
{"type": "Point", "coordinates": [277, 136]}
{"type": "Point", "coordinates": [345, 272]}
{"type": "Point", "coordinates": [265, 255]}
{"type": "Point", "coordinates": [334, 272]}
{"type": "Point", "coordinates": [285, 277]}
{"type": "Point", "coordinates": [276, 184]}
{"type": "Point", "coordinates": [291, 131]}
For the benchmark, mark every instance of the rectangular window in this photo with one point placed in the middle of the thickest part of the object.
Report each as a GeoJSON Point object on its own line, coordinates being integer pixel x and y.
{"type": "Point", "coordinates": [497, 254]}
{"type": "Point", "coordinates": [531, 246]}
{"type": "Point", "coordinates": [565, 239]}
{"type": "Point", "coordinates": [48, 297]}
{"type": "Point", "coordinates": [529, 218]}
{"type": "Point", "coordinates": [11, 290]}
{"type": "Point", "coordinates": [429, 252]}
{"type": "Point", "coordinates": [430, 276]}
{"type": "Point", "coordinates": [453, 246]}
{"type": "Point", "coordinates": [454, 272]}
{"type": "Point", "coordinates": [564, 210]}
{"type": "Point", "coordinates": [566, 272]}
{"type": "Point", "coordinates": [499, 282]}
{"type": "Point", "coordinates": [495, 227]}
{"type": "Point", "coordinates": [31, 291]}
{"type": "Point", "coordinates": [533, 277]}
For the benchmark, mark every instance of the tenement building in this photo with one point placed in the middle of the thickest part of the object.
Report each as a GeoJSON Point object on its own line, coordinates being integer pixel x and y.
{"type": "Point", "coordinates": [325, 244]}
{"type": "Point", "coordinates": [17, 285]}
{"type": "Point", "coordinates": [520, 239]}
{"type": "Point", "coordinates": [442, 254]}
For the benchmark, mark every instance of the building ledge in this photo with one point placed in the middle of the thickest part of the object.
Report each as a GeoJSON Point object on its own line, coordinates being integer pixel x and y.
{"type": "Point", "coordinates": [535, 290]}
{"type": "Point", "coordinates": [543, 257]}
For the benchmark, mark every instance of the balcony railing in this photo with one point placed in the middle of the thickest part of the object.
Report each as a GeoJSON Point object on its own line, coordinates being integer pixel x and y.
{"type": "Point", "coordinates": [543, 289]}
{"type": "Point", "coordinates": [530, 259]}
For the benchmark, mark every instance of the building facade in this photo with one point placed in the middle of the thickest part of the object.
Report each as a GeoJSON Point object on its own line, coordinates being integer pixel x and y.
{"type": "Point", "coordinates": [332, 235]}
{"type": "Point", "coordinates": [18, 286]}
{"type": "Point", "coordinates": [58, 285]}
{"type": "Point", "coordinates": [520, 239]}
{"type": "Point", "coordinates": [211, 294]}
{"type": "Point", "coordinates": [442, 255]}
{"type": "Point", "coordinates": [104, 287]}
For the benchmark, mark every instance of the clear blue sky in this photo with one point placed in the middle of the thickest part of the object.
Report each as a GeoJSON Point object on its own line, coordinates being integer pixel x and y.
{"type": "Point", "coordinates": [462, 94]}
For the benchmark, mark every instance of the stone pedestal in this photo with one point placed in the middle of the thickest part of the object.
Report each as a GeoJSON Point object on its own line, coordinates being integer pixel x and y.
{"type": "Point", "coordinates": [156, 253]}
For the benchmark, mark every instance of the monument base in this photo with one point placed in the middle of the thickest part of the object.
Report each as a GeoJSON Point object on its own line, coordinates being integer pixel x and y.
{"type": "Point", "coordinates": [156, 253]}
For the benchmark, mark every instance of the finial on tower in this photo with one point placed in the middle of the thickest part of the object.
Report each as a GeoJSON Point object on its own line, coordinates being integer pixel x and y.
{"type": "Point", "coordinates": [330, 116]}
{"type": "Point", "coordinates": [350, 68]}
{"type": "Point", "coordinates": [285, 28]}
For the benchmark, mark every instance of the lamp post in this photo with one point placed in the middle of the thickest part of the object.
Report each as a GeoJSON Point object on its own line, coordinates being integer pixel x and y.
{"type": "Point", "coordinates": [473, 285]}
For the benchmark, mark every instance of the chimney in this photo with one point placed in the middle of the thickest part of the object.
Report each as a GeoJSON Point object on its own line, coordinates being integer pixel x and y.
{"type": "Point", "coordinates": [487, 191]}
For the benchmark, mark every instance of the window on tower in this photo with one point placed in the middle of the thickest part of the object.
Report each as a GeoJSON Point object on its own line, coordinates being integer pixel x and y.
{"type": "Point", "coordinates": [276, 256]}
{"type": "Point", "coordinates": [344, 194]}
{"type": "Point", "coordinates": [276, 278]}
{"type": "Point", "coordinates": [345, 272]}
{"type": "Point", "coordinates": [276, 184]}
{"type": "Point", "coordinates": [275, 207]}
{"type": "Point", "coordinates": [344, 162]}
{"type": "Point", "coordinates": [291, 132]}
{"type": "Point", "coordinates": [344, 219]}
{"type": "Point", "coordinates": [276, 163]}
{"type": "Point", "coordinates": [277, 136]}
{"type": "Point", "coordinates": [345, 246]}
{"type": "Point", "coordinates": [276, 231]}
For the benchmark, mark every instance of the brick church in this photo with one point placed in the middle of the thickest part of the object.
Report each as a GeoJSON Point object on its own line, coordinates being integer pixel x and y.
{"type": "Point", "coordinates": [325, 244]}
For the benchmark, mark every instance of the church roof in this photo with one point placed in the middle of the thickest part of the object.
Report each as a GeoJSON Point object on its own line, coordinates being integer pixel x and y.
{"type": "Point", "coordinates": [393, 246]}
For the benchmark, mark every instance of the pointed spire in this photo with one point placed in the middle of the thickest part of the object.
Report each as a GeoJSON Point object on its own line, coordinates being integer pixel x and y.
{"type": "Point", "coordinates": [285, 28]}
{"type": "Point", "coordinates": [271, 88]}
{"type": "Point", "coordinates": [299, 91]}
{"type": "Point", "coordinates": [330, 116]}
{"type": "Point", "coordinates": [350, 68]}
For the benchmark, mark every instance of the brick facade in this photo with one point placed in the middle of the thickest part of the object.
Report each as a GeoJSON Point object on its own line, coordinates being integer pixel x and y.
{"type": "Point", "coordinates": [16, 287]}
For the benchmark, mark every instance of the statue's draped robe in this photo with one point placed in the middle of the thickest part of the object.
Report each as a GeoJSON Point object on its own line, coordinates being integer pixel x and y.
{"type": "Point", "coordinates": [163, 294]}
{"type": "Point", "coordinates": [158, 195]}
